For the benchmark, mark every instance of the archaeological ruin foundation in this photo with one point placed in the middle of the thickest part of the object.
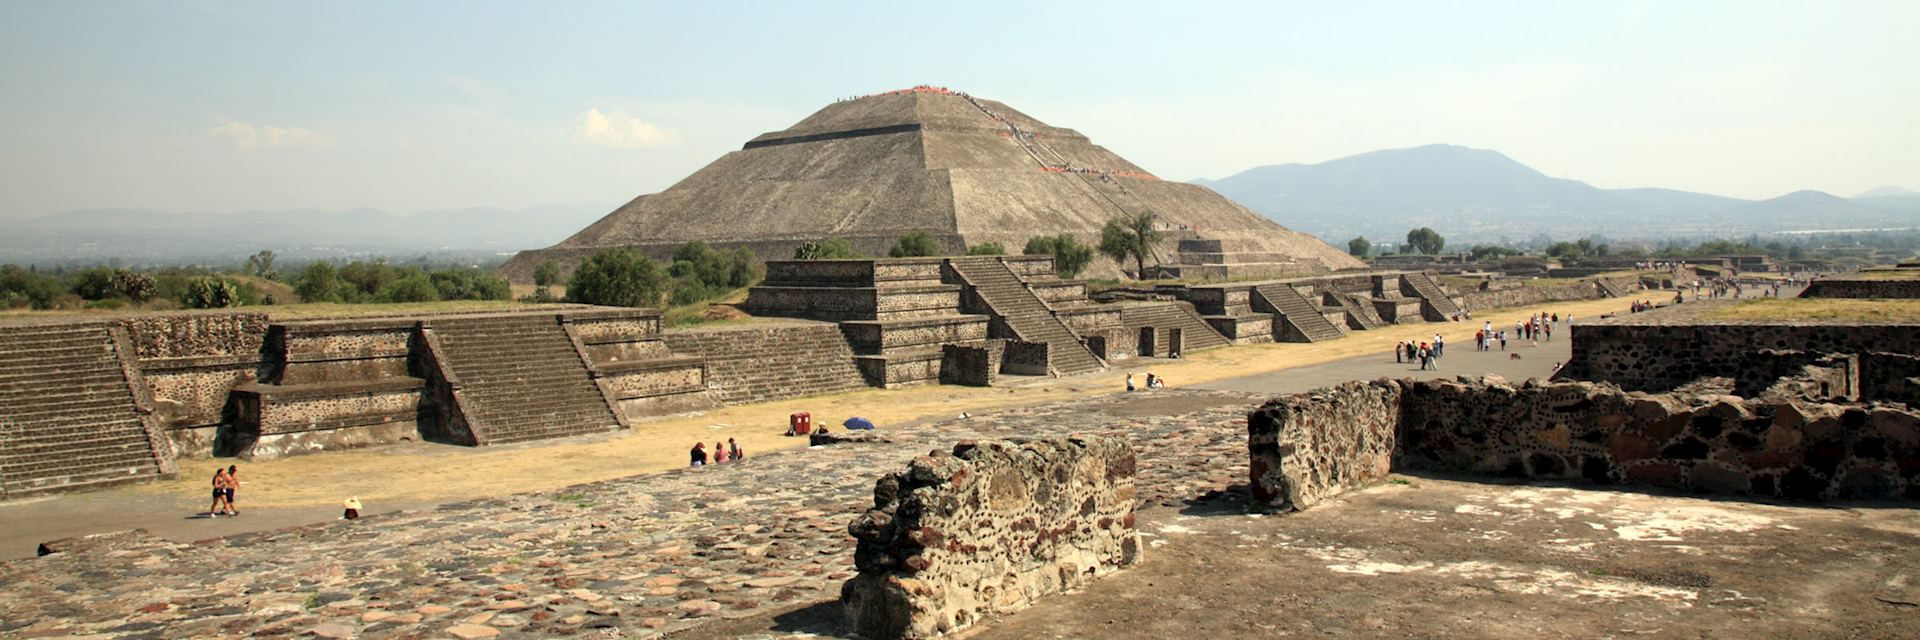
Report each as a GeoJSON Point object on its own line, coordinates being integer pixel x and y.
{"type": "Point", "coordinates": [988, 530]}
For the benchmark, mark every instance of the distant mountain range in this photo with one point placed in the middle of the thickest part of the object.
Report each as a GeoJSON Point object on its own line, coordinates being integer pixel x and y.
{"type": "Point", "coordinates": [1478, 194]}
{"type": "Point", "coordinates": [139, 236]}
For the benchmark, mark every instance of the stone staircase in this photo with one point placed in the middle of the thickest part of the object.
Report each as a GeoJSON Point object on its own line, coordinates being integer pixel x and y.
{"type": "Point", "coordinates": [1295, 310]}
{"type": "Point", "coordinates": [1359, 314]}
{"type": "Point", "coordinates": [1195, 333]}
{"type": "Point", "coordinates": [757, 364]}
{"type": "Point", "coordinates": [69, 417]}
{"type": "Point", "coordinates": [1609, 289]}
{"type": "Point", "coordinates": [1435, 296]}
{"type": "Point", "coordinates": [522, 378]}
{"type": "Point", "coordinates": [1026, 315]}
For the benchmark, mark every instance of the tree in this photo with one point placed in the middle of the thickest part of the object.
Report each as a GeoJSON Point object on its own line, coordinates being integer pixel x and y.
{"type": "Point", "coordinates": [1426, 241]}
{"type": "Point", "coordinates": [22, 287]}
{"type": "Point", "coordinates": [133, 285]}
{"type": "Point", "coordinates": [828, 249]}
{"type": "Point", "coordinates": [1359, 247]}
{"type": "Point", "coordinates": [546, 274]}
{"type": "Point", "coordinates": [415, 286]}
{"type": "Point", "coordinates": [1070, 257]}
{"type": "Point", "coordinates": [1492, 252]}
{"type": "Point", "coordinates": [987, 249]}
{"type": "Point", "coordinates": [617, 277]}
{"type": "Point", "coordinates": [261, 264]}
{"type": "Point", "coordinates": [1131, 236]}
{"type": "Point", "coordinates": [318, 282]}
{"type": "Point", "coordinates": [915, 245]}
{"type": "Point", "coordinates": [210, 293]}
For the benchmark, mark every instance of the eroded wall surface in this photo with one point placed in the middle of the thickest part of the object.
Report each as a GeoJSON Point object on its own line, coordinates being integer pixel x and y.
{"type": "Point", "coordinates": [989, 529]}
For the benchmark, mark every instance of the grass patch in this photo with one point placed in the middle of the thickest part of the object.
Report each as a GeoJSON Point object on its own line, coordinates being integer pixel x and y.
{"type": "Point", "coordinates": [576, 498]}
{"type": "Point", "coordinates": [344, 310]}
{"type": "Point", "coordinates": [1883, 274]}
{"type": "Point", "coordinates": [1869, 311]}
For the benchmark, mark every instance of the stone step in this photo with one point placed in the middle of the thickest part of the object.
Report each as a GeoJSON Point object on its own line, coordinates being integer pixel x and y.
{"type": "Point", "coordinates": [75, 432]}
{"type": "Point", "coordinates": [54, 330]}
{"type": "Point", "coordinates": [77, 465]}
{"type": "Point", "coordinates": [24, 448]}
{"type": "Point", "coordinates": [57, 391]}
{"type": "Point", "coordinates": [91, 406]}
{"type": "Point", "coordinates": [56, 366]}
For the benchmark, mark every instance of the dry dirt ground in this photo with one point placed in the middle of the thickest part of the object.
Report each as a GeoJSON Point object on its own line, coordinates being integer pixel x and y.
{"type": "Point", "coordinates": [1435, 557]}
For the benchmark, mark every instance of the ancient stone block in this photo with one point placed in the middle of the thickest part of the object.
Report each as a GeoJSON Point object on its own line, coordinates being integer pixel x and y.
{"type": "Point", "coordinates": [989, 529]}
{"type": "Point", "coordinates": [1306, 448]}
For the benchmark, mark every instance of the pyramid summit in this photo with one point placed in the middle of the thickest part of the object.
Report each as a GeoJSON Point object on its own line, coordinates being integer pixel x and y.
{"type": "Point", "coordinates": [965, 169]}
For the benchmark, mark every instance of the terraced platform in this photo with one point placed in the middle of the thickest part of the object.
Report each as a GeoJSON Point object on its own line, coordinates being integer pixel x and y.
{"type": "Point", "coordinates": [69, 416]}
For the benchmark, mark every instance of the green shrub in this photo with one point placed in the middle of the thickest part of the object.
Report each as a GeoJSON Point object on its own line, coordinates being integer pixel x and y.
{"type": "Point", "coordinates": [23, 287]}
{"type": "Point", "coordinates": [210, 293]}
{"type": "Point", "coordinates": [618, 277]}
{"type": "Point", "coordinates": [915, 245]}
{"type": "Point", "coordinates": [828, 249]}
{"type": "Point", "coordinates": [415, 286]}
{"type": "Point", "coordinates": [1070, 257]}
{"type": "Point", "coordinates": [987, 249]}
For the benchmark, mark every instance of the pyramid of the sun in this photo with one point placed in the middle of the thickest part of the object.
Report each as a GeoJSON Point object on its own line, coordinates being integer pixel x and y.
{"type": "Point", "coordinates": [967, 170]}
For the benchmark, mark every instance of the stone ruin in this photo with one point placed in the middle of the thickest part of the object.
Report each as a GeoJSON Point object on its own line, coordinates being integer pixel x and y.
{"type": "Point", "coordinates": [1898, 283]}
{"type": "Point", "coordinates": [1308, 447]}
{"type": "Point", "coordinates": [970, 320]}
{"type": "Point", "coordinates": [964, 169]}
{"type": "Point", "coordinates": [987, 530]}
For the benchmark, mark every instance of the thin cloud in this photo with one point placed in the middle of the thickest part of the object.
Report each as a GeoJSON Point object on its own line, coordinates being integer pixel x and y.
{"type": "Point", "coordinates": [250, 136]}
{"type": "Point", "coordinates": [618, 130]}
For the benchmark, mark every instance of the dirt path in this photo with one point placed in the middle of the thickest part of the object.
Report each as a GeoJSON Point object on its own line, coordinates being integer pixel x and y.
{"type": "Point", "coordinates": [389, 477]}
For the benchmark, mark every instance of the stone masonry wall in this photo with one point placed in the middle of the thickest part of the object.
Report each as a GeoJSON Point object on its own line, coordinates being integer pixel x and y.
{"type": "Point", "coordinates": [1305, 448]}
{"type": "Point", "coordinates": [1844, 288]}
{"type": "Point", "coordinates": [1651, 355]}
{"type": "Point", "coordinates": [1713, 444]}
{"type": "Point", "coordinates": [756, 364]}
{"type": "Point", "coordinates": [1521, 296]}
{"type": "Point", "coordinates": [988, 530]}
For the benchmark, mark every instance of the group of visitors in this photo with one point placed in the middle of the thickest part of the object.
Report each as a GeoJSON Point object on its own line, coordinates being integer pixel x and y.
{"type": "Point", "coordinates": [1642, 305]}
{"type": "Point", "coordinates": [721, 452]}
{"type": "Point", "coordinates": [1153, 381]}
{"type": "Point", "coordinates": [224, 482]}
{"type": "Point", "coordinates": [1484, 338]}
{"type": "Point", "coordinates": [1425, 353]}
{"type": "Point", "coordinates": [1537, 327]}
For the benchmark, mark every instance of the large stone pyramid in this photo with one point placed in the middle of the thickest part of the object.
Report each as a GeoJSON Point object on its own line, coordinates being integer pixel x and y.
{"type": "Point", "coordinates": [965, 169]}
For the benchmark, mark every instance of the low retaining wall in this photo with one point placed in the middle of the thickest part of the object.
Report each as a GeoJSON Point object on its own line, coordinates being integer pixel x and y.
{"type": "Point", "coordinates": [1307, 447]}
{"type": "Point", "coordinates": [1665, 352]}
{"type": "Point", "coordinates": [1846, 288]}
{"type": "Point", "coordinates": [989, 530]}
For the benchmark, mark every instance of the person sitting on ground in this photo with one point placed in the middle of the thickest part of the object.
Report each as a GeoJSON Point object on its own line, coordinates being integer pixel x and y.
{"type": "Point", "coordinates": [1129, 381]}
{"type": "Point", "coordinates": [733, 450]}
{"type": "Point", "coordinates": [352, 506]}
{"type": "Point", "coordinates": [699, 454]}
{"type": "Point", "coordinates": [719, 453]}
{"type": "Point", "coordinates": [1150, 384]}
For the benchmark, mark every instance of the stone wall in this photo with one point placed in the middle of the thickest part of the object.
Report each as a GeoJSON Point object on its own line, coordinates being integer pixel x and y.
{"type": "Point", "coordinates": [1861, 288]}
{"type": "Point", "coordinates": [324, 417]}
{"type": "Point", "coordinates": [1715, 444]}
{"type": "Point", "coordinates": [1306, 448]}
{"type": "Point", "coordinates": [1890, 377]}
{"type": "Point", "coordinates": [988, 530]}
{"type": "Point", "coordinates": [190, 361]}
{"type": "Point", "coordinates": [1662, 351]}
{"type": "Point", "coordinates": [972, 365]}
{"type": "Point", "coordinates": [1523, 295]}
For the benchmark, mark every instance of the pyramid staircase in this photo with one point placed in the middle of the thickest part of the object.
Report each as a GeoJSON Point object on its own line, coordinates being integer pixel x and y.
{"type": "Point", "coordinates": [1303, 316]}
{"type": "Point", "coordinates": [1360, 315]}
{"type": "Point", "coordinates": [522, 377]}
{"type": "Point", "coordinates": [1436, 297]}
{"type": "Point", "coordinates": [1025, 314]}
{"type": "Point", "coordinates": [1608, 289]}
{"type": "Point", "coordinates": [70, 417]}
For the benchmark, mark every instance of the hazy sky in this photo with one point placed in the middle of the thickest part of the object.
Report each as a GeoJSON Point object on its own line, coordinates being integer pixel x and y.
{"type": "Point", "coordinates": [432, 105]}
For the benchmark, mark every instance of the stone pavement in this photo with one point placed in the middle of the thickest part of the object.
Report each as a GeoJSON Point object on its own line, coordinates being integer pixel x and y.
{"type": "Point", "coordinates": [633, 557]}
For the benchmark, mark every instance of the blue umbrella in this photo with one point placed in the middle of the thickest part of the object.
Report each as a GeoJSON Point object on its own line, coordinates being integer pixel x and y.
{"type": "Point", "coordinates": [858, 423]}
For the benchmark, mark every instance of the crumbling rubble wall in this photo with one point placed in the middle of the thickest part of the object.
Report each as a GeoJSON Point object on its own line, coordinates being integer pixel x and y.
{"type": "Point", "coordinates": [1711, 443]}
{"type": "Point", "coordinates": [987, 530]}
{"type": "Point", "coordinates": [1308, 447]}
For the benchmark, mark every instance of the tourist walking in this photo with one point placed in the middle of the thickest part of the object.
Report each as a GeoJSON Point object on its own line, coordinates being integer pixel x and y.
{"type": "Point", "coordinates": [698, 454]}
{"type": "Point", "coordinates": [233, 482]}
{"type": "Point", "coordinates": [1399, 351]}
{"type": "Point", "coordinates": [219, 493]}
{"type": "Point", "coordinates": [1503, 341]}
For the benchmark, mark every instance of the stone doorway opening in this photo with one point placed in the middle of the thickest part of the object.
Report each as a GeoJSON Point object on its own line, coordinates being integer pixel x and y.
{"type": "Point", "coordinates": [1146, 341]}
